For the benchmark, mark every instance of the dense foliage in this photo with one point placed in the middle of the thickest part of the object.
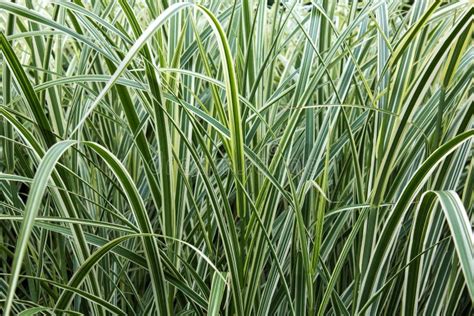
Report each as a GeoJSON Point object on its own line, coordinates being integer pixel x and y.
{"type": "Point", "coordinates": [236, 157]}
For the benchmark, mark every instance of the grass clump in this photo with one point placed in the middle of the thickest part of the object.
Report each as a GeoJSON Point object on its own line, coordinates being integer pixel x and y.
{"type": "Point", "coordinates": [236, 158]}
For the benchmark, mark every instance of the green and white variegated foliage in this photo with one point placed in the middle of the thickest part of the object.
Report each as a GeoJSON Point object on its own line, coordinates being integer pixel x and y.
{"type": "Point", "coordinates": [236, 157]}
